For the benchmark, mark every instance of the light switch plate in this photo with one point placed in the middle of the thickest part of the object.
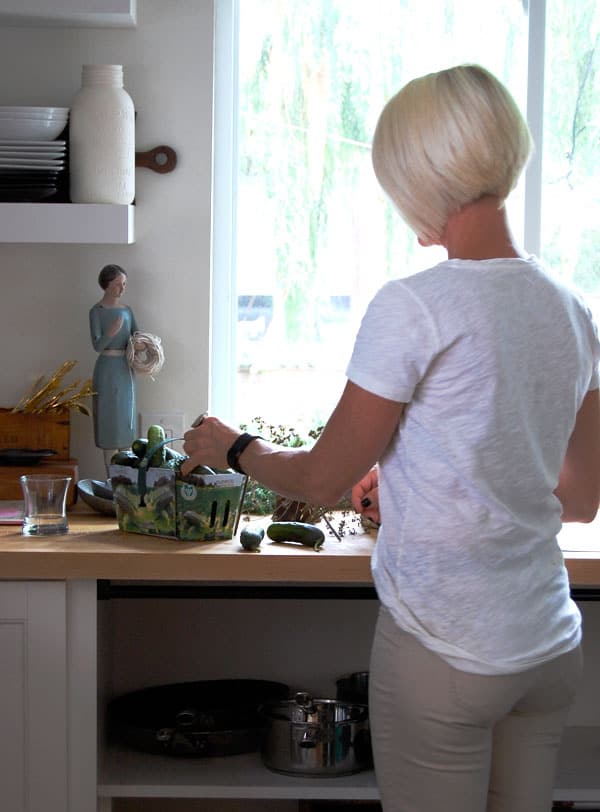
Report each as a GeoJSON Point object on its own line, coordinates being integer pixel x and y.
{"type": "Point", "coordinates": [174, 424]}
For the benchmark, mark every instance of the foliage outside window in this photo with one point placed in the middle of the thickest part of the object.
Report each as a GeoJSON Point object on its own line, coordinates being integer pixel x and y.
{"type": "Point", "coordinates": [571, 146]}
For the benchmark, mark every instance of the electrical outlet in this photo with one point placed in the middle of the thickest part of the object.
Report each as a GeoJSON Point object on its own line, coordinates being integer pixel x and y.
{"type": "Point", "coordinates": [172, 422]}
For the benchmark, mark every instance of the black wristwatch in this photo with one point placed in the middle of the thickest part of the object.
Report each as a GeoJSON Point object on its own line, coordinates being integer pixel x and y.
{"type": "Point", "coordinates": [237, 449]}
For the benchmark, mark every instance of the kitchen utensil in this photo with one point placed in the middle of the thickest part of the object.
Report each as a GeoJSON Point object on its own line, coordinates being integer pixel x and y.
{"type": "Point", "coordinates": [206, 718]}
{"type": "Point", "coordinates": [353, 687]}
{"type": "Point", "coordinates": [316, 737]}
{"type": "Point", "coordinates": [33, 165]}
{"type": "Point", "coordinates": [23, 111]}
{"type": "Point", "coordinates": [97, 495]}
{"type": "Point", "coordinates": [160, 159]}
{"type": "Point", "coordinates": [35, 145]}
{"type": "Point", "coordinates": [31, 128]}
{"type": "Point", "coordinates": [24, 456]}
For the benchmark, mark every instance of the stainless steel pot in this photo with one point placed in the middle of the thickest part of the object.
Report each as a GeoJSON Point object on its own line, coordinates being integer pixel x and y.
{"type": "Point", "coordinates": [353, 687]}
{"type": "Point", "coordinates": [315, 737]}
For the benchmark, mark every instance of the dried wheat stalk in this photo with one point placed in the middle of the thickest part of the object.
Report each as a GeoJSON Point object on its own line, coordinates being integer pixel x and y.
{"type": "Point", "coordinates": [49, 395]}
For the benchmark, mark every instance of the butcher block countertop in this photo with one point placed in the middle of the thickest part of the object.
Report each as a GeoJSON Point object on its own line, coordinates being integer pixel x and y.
{"type": "Point", "coordinates": [96, 548]}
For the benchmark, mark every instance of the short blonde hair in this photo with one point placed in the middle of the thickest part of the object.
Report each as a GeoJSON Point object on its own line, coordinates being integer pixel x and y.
{"type": "Point", "coordinates": [445, 140]}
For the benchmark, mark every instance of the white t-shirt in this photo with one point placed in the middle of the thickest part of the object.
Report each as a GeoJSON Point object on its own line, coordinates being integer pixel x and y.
{"type": "Point", "coordinates": [493, 359]}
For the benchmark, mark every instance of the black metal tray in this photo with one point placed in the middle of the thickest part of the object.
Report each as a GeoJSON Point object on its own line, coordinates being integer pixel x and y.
{"type": "Point", "coordinates": [194, 719]}
{"type": "Point", "coordinates": [24, 456]}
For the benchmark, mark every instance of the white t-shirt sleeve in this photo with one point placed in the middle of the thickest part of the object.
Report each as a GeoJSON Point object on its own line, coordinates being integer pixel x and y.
{"type": "Point", "coordinates": [595, 379]}
{"type": "Point", "coordinates": [396, 342]}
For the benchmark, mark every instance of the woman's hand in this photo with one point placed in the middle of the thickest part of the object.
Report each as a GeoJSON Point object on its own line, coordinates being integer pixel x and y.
{"type": "Point", "coordinates": [365, 496]}
{"type": "Point", "coordinates": [208, 444]}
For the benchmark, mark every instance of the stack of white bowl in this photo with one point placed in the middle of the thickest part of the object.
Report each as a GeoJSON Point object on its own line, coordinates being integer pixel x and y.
{"type": "Point", "coordinates": [32, 159]}
{"type": "Point", "coordinates": [32, 123]}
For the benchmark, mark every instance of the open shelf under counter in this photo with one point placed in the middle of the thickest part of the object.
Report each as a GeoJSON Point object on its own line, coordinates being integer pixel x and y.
{"type": "Point", "coordinates": [578, 777]}
{"type": "Point", "coordinates": [126, 773]}
{"type": "Point", "coordinates": [99, 223]}
{"type": "Point", "coordinates": [129, 774]}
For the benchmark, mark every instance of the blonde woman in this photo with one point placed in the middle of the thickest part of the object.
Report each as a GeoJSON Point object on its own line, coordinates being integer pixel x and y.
{"type": "Point", "coordinates": [471, 422]}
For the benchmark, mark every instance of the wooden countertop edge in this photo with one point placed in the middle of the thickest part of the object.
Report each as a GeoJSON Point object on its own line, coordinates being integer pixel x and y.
{"type": "Point", "coordinates": [96, 549]}
{"type": "Point", "coordinates": [355, 570]}
{"type": "Point", "coordinates": [335, 570]}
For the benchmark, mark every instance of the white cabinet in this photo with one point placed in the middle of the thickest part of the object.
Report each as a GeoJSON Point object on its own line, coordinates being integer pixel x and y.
{"type": "Point", "coordinates": [63, 655]}
{"type": "Point", "coordinates": [33, 717]}
{"type": "Point", "coordinates": [100, 13]}
{"type": "Point", "coordinates": [66, 223]}
{"type": "Point", "coordinates": [47, 747]}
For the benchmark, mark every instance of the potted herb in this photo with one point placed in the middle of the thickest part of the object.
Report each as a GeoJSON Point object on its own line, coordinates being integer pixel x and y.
{"type": "Point", "coordinates": [263, 501]}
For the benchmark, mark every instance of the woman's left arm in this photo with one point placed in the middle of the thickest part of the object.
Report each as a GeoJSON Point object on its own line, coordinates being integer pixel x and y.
{"type": "Point", "coordinates": [354, 438]}
{"type": "Point", "coordinates": [579, 483]}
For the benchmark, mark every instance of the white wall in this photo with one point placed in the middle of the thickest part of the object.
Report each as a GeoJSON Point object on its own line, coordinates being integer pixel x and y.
{"type": "Point", "coordinates": [47, 290]}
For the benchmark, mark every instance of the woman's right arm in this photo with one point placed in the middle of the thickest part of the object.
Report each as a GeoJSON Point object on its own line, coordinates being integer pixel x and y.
{"type": "Point", "coordinates": [579, 483]}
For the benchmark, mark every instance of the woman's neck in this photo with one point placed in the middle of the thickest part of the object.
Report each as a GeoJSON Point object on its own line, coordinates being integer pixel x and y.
{"type": "Point", "coordinates": [110, 301]}
{"type": "Point", "coordinates": [480, 230]}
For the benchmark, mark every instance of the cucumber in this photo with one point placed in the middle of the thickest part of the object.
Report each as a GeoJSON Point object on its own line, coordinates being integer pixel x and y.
{"type": "Point", "coordinates": [125, 458]}
{"type": "Point", "coordinates": [307, 534]}
{"type": "Point", "coordinates": [139, 447]}
{"type": "Point", "coordinates": [173, 463]}
{"type": "Point", "coordinates": [203, 470]}
{"type": "Point", "coordinates": [172, 454]}
{"type": "Point", "coordinates": [251, 537]}
{"type": "Point", "coordinates": [156, 435]}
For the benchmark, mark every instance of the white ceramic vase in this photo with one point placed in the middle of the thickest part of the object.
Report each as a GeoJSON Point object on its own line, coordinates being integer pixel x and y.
{"type": "Point", "coordinates": [102, 138]}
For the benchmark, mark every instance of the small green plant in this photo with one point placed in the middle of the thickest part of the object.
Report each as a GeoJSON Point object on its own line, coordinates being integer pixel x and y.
{"type": "Point", "coordinates": [259, 500]}
{"type": "Point", "coordinates": [262, 501]}
{"type": "Point", "coordinates": [281, 434]}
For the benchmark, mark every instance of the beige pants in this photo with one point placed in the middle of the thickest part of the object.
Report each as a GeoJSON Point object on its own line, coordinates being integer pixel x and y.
{"type": "Point", "coordinates": [448, 741]}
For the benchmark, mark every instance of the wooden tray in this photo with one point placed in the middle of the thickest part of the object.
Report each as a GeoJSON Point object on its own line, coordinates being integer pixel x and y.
{"type": "Point", "coordinates": [21, 430]}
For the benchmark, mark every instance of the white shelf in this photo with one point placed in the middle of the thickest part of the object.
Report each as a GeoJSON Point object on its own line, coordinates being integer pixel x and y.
{"type": "Point", "coordinates": [128, 774]}
{"type": "Point", "coordinates": [78, 13]}
{"type": "Point", "coordinates": [66, 223]}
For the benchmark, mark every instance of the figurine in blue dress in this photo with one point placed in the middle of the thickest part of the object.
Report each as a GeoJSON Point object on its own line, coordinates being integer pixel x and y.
{"type": "Point", "coordinates": [114, 403]}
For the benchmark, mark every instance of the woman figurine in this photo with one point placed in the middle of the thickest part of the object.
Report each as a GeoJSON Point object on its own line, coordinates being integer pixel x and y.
{"type": "Point", "coordinates": [114, 403]}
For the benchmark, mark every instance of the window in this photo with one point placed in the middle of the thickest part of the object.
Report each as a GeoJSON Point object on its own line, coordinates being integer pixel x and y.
{"type": "Point", "coordinates": [304, 236]}
{"type": "Point", "coordinates": [570, 210]}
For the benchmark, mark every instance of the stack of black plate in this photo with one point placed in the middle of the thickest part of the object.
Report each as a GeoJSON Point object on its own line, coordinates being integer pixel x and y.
{"type": "Point", "coordinates": [30, 171]}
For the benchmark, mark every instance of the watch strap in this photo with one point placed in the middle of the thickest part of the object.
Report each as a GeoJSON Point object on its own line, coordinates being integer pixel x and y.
{"type": "Point", "coordinates": [237, 449]}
